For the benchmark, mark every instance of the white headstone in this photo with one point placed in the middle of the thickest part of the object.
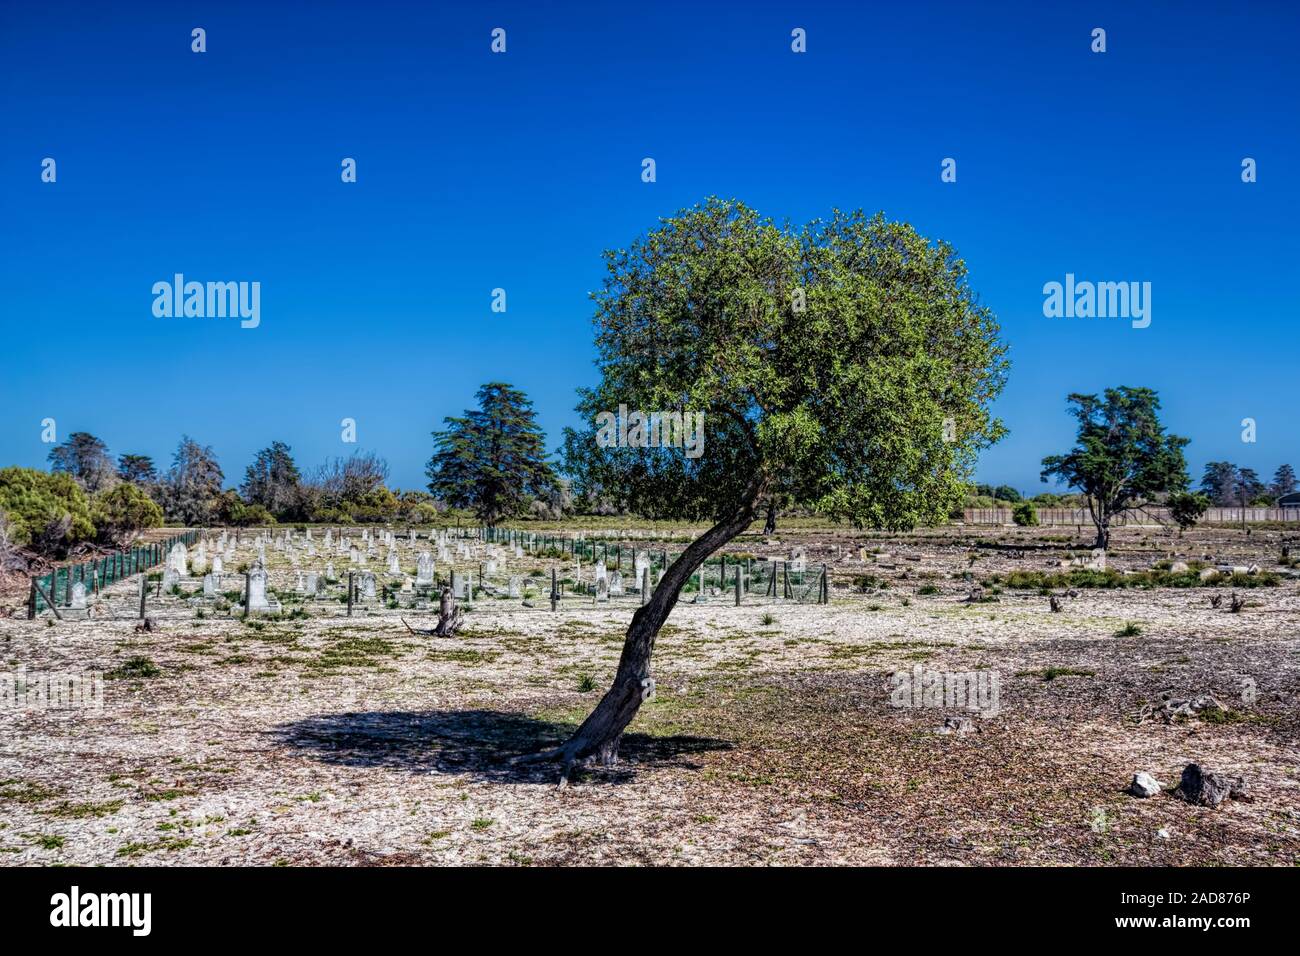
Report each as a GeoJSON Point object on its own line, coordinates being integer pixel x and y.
{"type": "Point", "coordinates": [257, 600]}
{"type": "Point", "coordinates": [424, 570]}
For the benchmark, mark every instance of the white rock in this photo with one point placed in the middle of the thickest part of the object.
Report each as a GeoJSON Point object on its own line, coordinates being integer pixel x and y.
{"type": "Point", "coordinates": [1144, 785]}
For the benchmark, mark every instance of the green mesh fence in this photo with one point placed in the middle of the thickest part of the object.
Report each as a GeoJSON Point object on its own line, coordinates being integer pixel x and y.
{"type": "Point", "coordinates": [101, 572]}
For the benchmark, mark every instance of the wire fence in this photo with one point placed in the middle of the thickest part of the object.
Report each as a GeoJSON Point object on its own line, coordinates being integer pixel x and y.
{"type": "Point", "coordinates": [1148, 517]}
{"type": "Point", "coordinates": [54, 590]}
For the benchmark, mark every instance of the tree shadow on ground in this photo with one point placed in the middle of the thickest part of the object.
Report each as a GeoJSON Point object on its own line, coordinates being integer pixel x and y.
{"type": "Point", "coordinates": [481, 743]}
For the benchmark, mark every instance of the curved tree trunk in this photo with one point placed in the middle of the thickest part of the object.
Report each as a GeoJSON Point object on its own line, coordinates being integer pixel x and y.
{"type": "Point", "coordinates": [769, 526]}
{"type": "Point", "coordinates": [598, 736]}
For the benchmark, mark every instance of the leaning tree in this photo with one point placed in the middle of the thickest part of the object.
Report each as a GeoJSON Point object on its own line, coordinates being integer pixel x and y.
{"type": "Point", "coordinates": [845, 366]}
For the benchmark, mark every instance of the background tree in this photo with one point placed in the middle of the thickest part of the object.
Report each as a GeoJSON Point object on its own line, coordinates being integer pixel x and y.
{"type": "Point", "coordinates": [343, 488]}
{"type": "Point", "coordinates": [1283, 481]}
{"type": "Point", "coordinates": [85, 458]}
{"type": "Point", "coordinates": [273, 481]}
{"type": "Point", "coordinates": [1248, 489]}
{"type": "Point", "coordinates": [191, 490]}
{"type": "Point", "coordinates": [1219, 482]}
{"type": "Point", "coordinates": [825, 360]}
{"type": "Point", "coordinates": [492, 459]}
{"type": "Point", "coordinates": [137, 469]}
{"type": "Point", "coordinates": [122, 512]}
{"type": "Point", "coordinates": [1122, 458]}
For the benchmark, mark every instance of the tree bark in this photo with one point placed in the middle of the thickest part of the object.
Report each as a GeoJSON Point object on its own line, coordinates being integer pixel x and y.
{"type": "Point", "coordinates": [597, 739]}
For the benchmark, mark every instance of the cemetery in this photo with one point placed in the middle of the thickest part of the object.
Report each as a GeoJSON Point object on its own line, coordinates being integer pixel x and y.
{"type": "Point", "coordinates": [287, 696]}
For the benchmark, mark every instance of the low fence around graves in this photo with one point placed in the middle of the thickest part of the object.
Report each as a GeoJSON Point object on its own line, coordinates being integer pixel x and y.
{"type": "Point", "coordinates": [1148, 518]}
{"type": "Point", "coordinates": [756, 576]}
{"type": "Point", "coordinates": [54, 590]}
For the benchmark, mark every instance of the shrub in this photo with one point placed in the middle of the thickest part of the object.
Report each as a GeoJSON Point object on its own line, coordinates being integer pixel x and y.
{"type": "Point", "coordinates": [1025, 514]}
{"type": "Point", "coordinates": [46, 513]}
{"type": "Point", "coordinates": [1186, 508]}
{"type": "Point", "coordinates": [122, 512]}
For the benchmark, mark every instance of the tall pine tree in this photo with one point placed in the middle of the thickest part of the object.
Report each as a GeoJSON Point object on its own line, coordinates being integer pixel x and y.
{"type": "Point", "coordinates": [492, 459]}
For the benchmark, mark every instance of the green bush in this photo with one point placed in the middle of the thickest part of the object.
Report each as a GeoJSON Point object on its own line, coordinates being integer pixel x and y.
{"type": "Point", "coordinates": [47, 513]}
{"type": "Point", "coordinates": [123, 511]}
{"type": "Point", "coordinates": [1024, 514]}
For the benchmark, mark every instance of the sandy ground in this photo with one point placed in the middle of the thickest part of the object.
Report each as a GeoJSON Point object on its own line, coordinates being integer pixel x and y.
{"type": "Point", "coordinates": [772, 737]}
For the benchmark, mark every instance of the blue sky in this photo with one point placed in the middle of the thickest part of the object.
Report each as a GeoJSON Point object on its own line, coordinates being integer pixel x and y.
{"type": "Point", "coordinates": [478, 171]}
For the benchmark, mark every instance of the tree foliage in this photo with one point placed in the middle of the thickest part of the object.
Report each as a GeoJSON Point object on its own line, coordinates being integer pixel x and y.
{"type": "Point", "coordinates": [491, 459]}
{"type": "Point", "coordinates": [191, 489]}
{"type": "Point", "coordinates": [1283, 481]}
{"type": "Point", "coordinates": [122, 512]}
{"type": "Point", "coordinates": [1123, 459]}
{"type": "Point", "coordinates": [273, 481]}
{"type": "Point", "coordinates": [1187, 508]}
{"type": "Point", "coordinates": [825, 359]}
{"type": "Point", "coordinates": [137, 469]}
{"type": "Point", "coordinates": [85, 458]}
{"type": "Point", "coordinates": [47, 513]}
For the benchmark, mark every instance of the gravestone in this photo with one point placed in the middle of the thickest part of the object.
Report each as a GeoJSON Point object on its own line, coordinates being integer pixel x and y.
{"type": "Point", "coordinates": [78, 600]}
{"type": "Point", "coordinates": [602, 588]}
{"type": "Point", "coordinates": [367, 586]}
{"type": "Point", "coordinates": [209, 586]}
{"type": "Point", "coordinates": [601, 573]}
{"type": "Point", "coordinates": [217, 564]}
{"type": "Point", "coordinates": [170, 578]}
{"type": "Point", "coordinates": [616, 584]}
{"type": "Point", "coordinates": [311, 586]}
{"type": "Point", "coordinates": [257, 598]}
{"type": "Point", "coordinates": [640, 564]}
{"type": "Point", "coordinates": [516, 586]}
{"type": "Point", "coordinates": [176, 559]}
{"type": "Point", "coordinates": [459, 586]}
{"type": "Point", "coordinates": [798, 560]}
{"type": "Point", "coordinates": [329, 571]}
{"type": "Point", "coordinates": [394, 568]}
{"type": "Point", "coordinates": [424, 570]}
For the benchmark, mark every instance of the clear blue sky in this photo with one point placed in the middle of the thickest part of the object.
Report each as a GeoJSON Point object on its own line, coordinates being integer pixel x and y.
{"type": "Point", "coordinates": [478, 170]}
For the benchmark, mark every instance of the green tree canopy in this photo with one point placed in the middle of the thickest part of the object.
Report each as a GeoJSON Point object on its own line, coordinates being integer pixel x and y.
{"type": "Point", "coordinates": [122, 512]}
{"type": "Point", "coordinates": [48, 513]}
{"type": "Point", "coordinates": [1122, 459]}
{"type": "Point", "coordinates": [491, 459]}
